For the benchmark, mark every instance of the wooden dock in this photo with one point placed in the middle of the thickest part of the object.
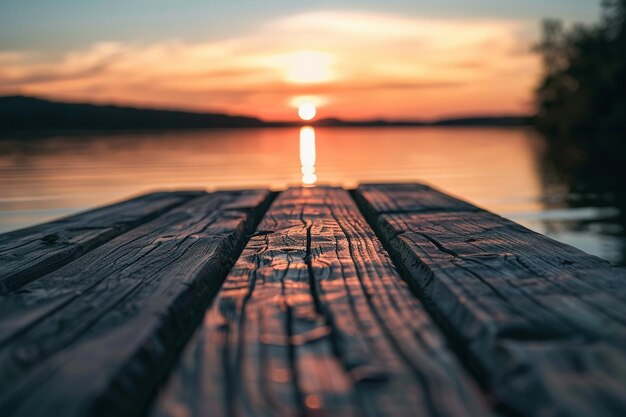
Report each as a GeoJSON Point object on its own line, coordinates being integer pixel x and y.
{"type": "Point", "coordinates": [387, 300]}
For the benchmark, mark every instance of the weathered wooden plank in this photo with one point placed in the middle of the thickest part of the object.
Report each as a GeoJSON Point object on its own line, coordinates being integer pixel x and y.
{"type": "Point", "coordinates": [27, 254]}
{"type": "Point", "coordinates": [411, 198]}
{"type": "Point", "coordinates": [541, 323]}
{"type": "Point", "coordinates": [96, 336]}
{"type": "Point", "coordinates": [313, 319]}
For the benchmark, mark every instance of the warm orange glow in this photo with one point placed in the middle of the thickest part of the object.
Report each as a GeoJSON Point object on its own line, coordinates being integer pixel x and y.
{"type": "Point", "coordinates": [305, 67]}
{"type": "Point", "coordinates": [307, 155]}
{"type": "Point", "coordinates": [359, 65]}
{"type": "Point", "coordinates": [307, 111]}
{"type": "Point", "coordinates": [313, 401]}
{"type": "Point", "coordinates": [501, 175]}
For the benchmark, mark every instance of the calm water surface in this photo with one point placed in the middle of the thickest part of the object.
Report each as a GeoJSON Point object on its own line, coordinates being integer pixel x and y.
{"type": "Point", "coordinates": [504, 170]}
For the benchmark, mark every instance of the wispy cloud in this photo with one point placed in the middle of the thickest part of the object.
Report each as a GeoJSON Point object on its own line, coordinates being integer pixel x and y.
{"type": "Point", "coordinates": [359, 64]}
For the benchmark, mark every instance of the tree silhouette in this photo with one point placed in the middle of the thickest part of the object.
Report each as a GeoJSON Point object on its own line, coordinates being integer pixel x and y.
{"type": "Point", "coordinates": [583, 89]}
{"type": "Point", "coordinates": [581, 104]}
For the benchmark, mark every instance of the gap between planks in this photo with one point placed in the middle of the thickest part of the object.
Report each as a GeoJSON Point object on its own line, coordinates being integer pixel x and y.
{"type": "Point", "coordinates": [542, 325]}
{"type": "Point", "coordinates": [313, 319]}
{"type": "Point", "coordinates": [30, 253]}
{"type": "Point", "coordinates": [98, 335]}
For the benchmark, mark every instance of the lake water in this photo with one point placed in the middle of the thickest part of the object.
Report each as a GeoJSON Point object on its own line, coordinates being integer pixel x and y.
{"type": "Point", "coordinates": [504, 170]}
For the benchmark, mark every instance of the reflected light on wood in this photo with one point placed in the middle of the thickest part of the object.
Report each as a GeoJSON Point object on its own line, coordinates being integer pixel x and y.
{"type": "Point", "coordinates": [307, 155]}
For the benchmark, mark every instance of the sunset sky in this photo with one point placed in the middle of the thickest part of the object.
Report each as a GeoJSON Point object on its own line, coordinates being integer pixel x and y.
{"type": "Point", "coordinates": [391, 59]}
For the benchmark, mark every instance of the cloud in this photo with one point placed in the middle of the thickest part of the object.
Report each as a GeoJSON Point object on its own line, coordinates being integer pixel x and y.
{"type": "Point", "coordinates": [358, 63]}
{"type": "Point", "coordinates": [28, 69]}
{"type": "Point", "coordinates": [50, 76]}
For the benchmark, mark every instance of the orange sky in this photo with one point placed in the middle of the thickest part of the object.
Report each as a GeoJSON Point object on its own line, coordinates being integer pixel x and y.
{"type": "Point", "coordinates": [351, 64]}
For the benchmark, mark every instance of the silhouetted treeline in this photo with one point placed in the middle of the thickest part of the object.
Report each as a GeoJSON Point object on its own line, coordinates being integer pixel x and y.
{"type": "Point", "coordinates": [20, 113]}
{"type": "Point", "coordinates": [584, 86]}
{"type": "Point", "coordinates": [479, 121]}
{"type": "Point", "coordinates": [29, 113]}
{"type": "Point", "coordinates": [582, 108]}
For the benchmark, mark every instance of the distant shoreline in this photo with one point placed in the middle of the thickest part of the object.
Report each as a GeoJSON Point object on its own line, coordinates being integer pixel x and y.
{"type": "Point", "coordinates": [32, 114]}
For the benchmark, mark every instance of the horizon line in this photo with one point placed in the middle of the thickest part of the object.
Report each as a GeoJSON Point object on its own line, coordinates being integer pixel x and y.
{"type": "Point", "coordinates": [330, 118]}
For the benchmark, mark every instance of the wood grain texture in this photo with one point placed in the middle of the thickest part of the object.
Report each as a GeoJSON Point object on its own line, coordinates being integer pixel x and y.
{"type": "Point", "coordinates": [313, 319]}
{"type": "Point", "coordinates": [27, 254]}
{"type": "Point", "coordinates": [542, 324]}
{"type": "Point", "coordinates": [97, 336]}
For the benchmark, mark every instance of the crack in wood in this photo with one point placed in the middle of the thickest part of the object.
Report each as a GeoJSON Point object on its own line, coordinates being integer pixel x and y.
{"type": "Point", "coordinates": [27, 254]}
{"type": "Point", "coordinates": [131, 304]}
{"type": "Point", "coordinates": [314, 334]}
{"type": "Point", "coordinates": [522, 311]}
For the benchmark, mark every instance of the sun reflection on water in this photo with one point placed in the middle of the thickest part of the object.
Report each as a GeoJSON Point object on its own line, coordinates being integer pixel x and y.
{"type": "Point", "coordinates": [307, 155]}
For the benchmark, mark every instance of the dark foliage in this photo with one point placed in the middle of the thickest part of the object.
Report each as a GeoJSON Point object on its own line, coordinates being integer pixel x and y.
{"type": "Point", "coordinates": [583, 90]}
{"type": "Point", "coordinates": [19, 112]}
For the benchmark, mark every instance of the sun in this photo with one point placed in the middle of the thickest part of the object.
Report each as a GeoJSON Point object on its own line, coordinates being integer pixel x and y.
{"type": "Point", "coordinates": [307, 111]}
